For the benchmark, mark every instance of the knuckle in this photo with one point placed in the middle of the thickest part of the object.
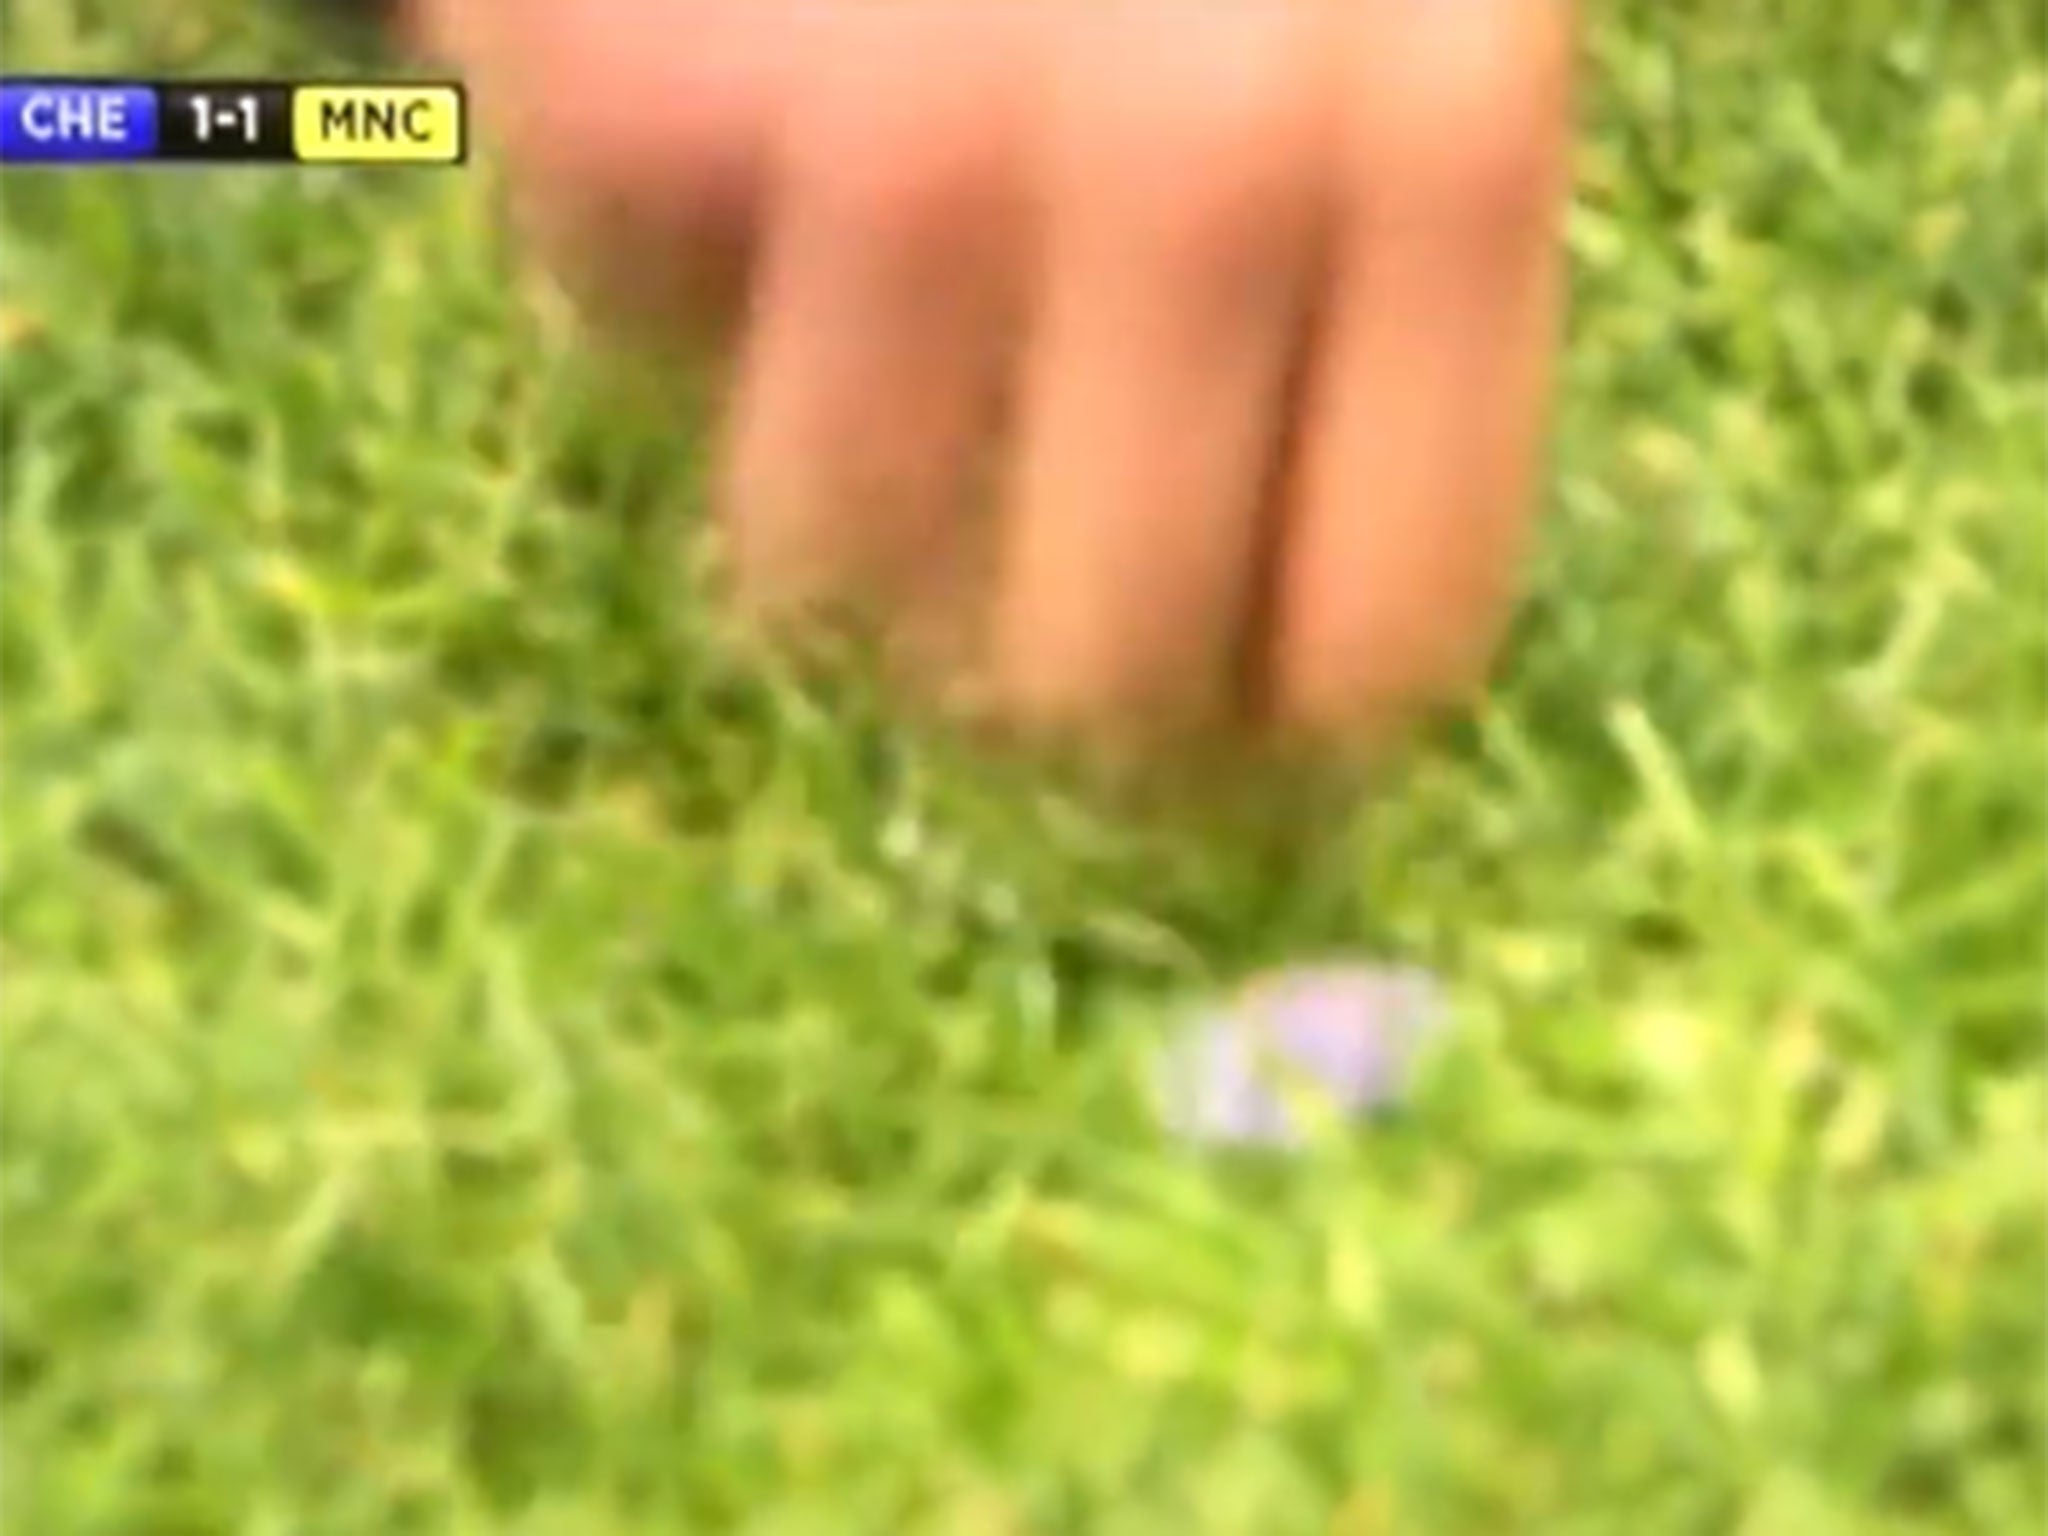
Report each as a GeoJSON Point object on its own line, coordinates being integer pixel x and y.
{"type": "Point", "coordinates": [896, 153]}
{"type": "Point", "coordinates": [892, 181]}
{"type": "Point", "coordinates": [1236, 190]}
{"type": "Point", "coordinates": [1467, 119]}
{"type": "Point", "coordinates": [1500, 176]}
{"type": "Point", "coordinates": [1215, 169]}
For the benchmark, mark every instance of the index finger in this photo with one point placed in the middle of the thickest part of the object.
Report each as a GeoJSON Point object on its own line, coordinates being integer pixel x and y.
{"type": "Point", "coordinates": [640, 133]}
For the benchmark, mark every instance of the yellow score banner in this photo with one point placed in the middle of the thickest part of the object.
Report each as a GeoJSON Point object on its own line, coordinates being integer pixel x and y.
{"type": "Point", "coordinates": [378, 125]}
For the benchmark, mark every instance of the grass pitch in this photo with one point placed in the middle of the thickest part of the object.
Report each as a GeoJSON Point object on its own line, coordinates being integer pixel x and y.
{"type": "Point", "coordinates": [479, 1058]}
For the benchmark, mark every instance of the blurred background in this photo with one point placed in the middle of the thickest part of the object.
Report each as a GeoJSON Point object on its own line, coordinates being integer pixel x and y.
{"type": "Point", "coordinates": [480, 1057]}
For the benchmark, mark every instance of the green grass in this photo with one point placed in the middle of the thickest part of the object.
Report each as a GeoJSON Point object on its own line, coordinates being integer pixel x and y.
{"type": "Point", "coordinates": [479, 1058]}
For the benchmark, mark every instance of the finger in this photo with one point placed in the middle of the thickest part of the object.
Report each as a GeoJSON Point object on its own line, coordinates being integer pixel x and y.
{"type": "Point", "coordinates": [870, 380]}
{"type": "Point", "coordinates": [1414, 484]}
{"type": "Point", "coordinates": [641, 134]}
{"type": "Point", "coordinates": [1184, 222]}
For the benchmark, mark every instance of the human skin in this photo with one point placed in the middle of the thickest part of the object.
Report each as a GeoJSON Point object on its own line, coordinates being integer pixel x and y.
{"type": "Point", "coordinates": [1131, 367]}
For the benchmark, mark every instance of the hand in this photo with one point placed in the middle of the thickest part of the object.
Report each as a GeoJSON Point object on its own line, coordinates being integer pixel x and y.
{"type": "Point", "coordinates": [1150, 365]}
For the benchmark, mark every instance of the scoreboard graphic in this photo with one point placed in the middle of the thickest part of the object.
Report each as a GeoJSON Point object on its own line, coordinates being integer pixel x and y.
{"type": "Point", "coordinates": [74, 122]}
